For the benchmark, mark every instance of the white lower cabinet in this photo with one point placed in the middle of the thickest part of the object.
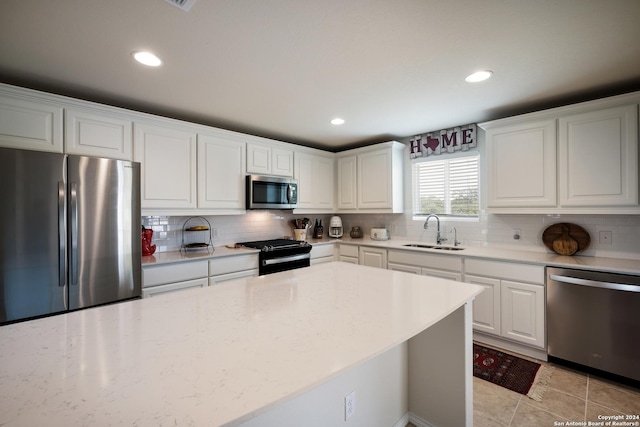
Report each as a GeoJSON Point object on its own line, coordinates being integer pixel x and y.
{"type": "Point", "coordinates": [232, 267]}
{"type": "Point", "coordinates": [162, 279]}
{"type": "Point", "coordinates": [513, 303]}
{"type": "Point", "coordinates": [348, 253]}
{"type": "Point", "coordinates": [443, 266]}
{"type": "Point", "coordinates": [173, 287]}
{"type": "Point", "coordinates": [373, 257]}
{"type": "Point", "coordinates": [322, 253]}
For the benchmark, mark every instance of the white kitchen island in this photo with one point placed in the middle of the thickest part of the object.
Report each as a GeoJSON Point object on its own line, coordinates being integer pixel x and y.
{"type": "Point", "coordinates": [282, 349]}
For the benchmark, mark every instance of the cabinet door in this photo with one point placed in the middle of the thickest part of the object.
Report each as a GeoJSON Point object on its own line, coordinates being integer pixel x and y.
{"type": "Point", "coordinates": [523, 312]}
{"type": "Point", "coordinates": [323, 172]}
{"type": "Point", "coordinates": [304, 173]}
{"type": "Point", "coordinates": [173, 287]}
{"type": "Point", "coordinates": [29, 125]}
{"type": "Point", "coordinates": [373, 257]}
{"type": "Point", "coordinates": [221, 174]}
{"type": "Point", "coordinates": [281, 162]}
{"type": "Point", "coordinates": [374, 179]}
{"type": "Point", "coordinates": [598, 158]}
{"type": "Point", "coordinates": [258, 159]}
{"type": "Point", "coordinates": [521, 165]}
{"type": "Point", "coordinates": [315, 181]}
{"type": "Point", "coordinates": [486, 306]}
{"type": "Point", "coordinates": [168, 159]}
{"type": "Point", "coordinates": [347, 177]}
{"type": "Point", "coordinates": [96, 133]}
{"type": "Point", "coordinates": [349, 259]}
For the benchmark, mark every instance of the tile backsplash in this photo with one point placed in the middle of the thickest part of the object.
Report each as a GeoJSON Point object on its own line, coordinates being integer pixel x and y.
{"type": "Point", "coordinates": [487, 230]}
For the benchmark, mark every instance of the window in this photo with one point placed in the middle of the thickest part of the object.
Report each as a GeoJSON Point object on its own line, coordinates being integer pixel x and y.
{"type": "Point", "coordinates": [446, 187]}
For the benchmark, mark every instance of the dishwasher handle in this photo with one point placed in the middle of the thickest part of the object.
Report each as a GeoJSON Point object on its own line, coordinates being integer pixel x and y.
{"type": "Point", "coordinates": [595, 283]}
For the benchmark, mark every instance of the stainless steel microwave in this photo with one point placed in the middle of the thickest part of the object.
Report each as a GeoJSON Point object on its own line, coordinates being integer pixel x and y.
{"type": "Point", "coordinates": [271, 192]}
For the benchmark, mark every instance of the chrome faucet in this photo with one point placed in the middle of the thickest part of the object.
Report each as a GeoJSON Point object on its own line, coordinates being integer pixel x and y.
{"type": "Point", "coordinates": [455, 236]}
{"type": "Point", "coordinates": [439, 238]}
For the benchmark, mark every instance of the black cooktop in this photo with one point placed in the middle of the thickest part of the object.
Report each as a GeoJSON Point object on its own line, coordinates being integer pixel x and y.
{"type": "Point", "coordinates": [275, 244]}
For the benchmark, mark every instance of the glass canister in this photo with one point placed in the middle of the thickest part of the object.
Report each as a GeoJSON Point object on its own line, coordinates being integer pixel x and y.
{"type": "Point", "coordinates": [356, 232]}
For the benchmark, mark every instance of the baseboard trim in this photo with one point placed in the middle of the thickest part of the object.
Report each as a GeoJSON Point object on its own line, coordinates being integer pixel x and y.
{"type": "Point", "coordinates": [417, 421]}
{"type": "Point", "coordinates": [402, 422]}
{"type": "Point", "coordinates": [540, 354]}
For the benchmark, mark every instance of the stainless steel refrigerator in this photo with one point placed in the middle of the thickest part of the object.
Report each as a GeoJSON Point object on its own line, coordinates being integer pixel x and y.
{"type": "Point", "coordinates": [70, 233]}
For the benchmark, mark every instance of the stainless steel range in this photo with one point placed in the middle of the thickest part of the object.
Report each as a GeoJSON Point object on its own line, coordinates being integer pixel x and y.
{"type": "Point", "coordinates": [281, 255]}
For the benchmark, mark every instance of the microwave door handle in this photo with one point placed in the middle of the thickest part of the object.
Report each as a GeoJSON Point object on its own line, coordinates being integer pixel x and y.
{"type": "Point", "coordinates": [289, 193]}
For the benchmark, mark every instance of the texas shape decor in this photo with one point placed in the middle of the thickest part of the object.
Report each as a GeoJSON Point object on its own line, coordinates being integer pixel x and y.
{"type": "Point", "coordinates": [460, 138]}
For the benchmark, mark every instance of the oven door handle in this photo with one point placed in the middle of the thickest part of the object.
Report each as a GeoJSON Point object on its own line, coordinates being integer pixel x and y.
{"type": "Point", "coordinates": [282, 260]}
{"type": "Point", "coordinates": [595, 284]}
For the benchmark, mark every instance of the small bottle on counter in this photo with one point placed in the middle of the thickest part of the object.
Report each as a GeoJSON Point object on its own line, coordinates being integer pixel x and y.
{"type": "Point", "coordinates": [319, 230]}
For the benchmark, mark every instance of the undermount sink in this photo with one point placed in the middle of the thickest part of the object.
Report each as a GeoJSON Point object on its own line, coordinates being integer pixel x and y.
{"type": "Point", "coordinates": [443, 248]}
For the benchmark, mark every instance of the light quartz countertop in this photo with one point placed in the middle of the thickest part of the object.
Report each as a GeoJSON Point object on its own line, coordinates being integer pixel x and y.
{"type": "Point", "coordinates": [614, 265]}
{"type": "Point", "coordinates": [216, 355]}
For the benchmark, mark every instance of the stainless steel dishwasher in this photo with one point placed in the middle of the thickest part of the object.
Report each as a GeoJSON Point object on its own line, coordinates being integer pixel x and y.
{"type": "Point", "coordinates": [593, 319]}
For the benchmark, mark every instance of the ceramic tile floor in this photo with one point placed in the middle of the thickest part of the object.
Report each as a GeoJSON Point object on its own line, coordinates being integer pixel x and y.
{"type": "Point", "coordinates": [571, 396]}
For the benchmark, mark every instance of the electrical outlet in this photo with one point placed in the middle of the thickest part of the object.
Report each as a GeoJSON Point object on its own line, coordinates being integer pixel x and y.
{"type": "Point", "coordinates": [349, 405]}
{"type": "Point", "coordinates": [606, 237]}
{"type": "Point", "coordinates": [214, 232]}
{"type": "Point", "coordinates": [516, 234]}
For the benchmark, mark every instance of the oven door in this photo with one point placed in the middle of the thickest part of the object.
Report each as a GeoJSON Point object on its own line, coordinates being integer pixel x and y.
{"type": "Point", "coordinates": [283, 260]}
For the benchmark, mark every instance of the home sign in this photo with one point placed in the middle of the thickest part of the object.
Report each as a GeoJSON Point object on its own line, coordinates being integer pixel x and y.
{"type": "Point", "coordinates": [460, 138]}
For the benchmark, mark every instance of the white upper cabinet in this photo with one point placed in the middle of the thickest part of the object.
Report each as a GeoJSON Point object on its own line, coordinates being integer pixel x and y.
{"type": "Point", "coordinates": [168, 171]}
{"type": "Point", "coordinates": [315, 176]}
{"type": "Point", "coordinates": [347, 181]}
{"type": "Point", "coordinates": [598, 158]}
{"type": "Point", "coordinates": [92, 132]}
{"type": "Point", "coordinates": [370, 179]}
{"type": "Point", "coordinates": [522, 165]}
{"type": "Point", "coordinates": [269, 160]}
{"type": "Point", "coordinates": [581, 158]}
{"type": "Point", "coordinates": [30, 123]}
{"type": "Point", "coordinates": [221, 174]}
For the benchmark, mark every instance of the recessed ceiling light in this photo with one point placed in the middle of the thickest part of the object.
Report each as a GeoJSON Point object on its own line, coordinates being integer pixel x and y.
{"type": "Point", "coordinates": [478, 76]}
{"type": "Point", "coordinates": [337, 121]}
{"type": "Point", "coordinates": [147, 58]}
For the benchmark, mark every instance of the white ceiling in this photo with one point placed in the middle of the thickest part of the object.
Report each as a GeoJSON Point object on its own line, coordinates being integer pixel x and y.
{"type": "Point", "coordinates": [284, 68]}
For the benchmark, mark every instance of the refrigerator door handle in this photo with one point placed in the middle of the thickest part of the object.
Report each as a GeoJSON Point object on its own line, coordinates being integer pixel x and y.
{"type": "Point", "coordinates": [74, 231]}
{"type": "Point", "coordinates": [62, 237]}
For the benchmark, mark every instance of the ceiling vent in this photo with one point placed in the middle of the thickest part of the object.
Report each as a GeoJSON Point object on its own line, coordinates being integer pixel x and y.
{"type": "Point", "coordinates": [182, 4]}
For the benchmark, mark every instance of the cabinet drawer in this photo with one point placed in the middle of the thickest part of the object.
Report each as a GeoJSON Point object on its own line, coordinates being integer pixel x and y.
{"type": "Point", "coordinates": [349, 250]}
{"type": "Point", "coordinates": [441, 262]}
{"type": "Point", "coordinates": [179, 272]}
{"type": "Point", "coordinates": [320, 251]}
{"type": "Point", "coordinates": [232, 264]}
{"type": "Point", "coordinates": [506, 270]}
{"type": "Point", "coordinates": [173, 287]}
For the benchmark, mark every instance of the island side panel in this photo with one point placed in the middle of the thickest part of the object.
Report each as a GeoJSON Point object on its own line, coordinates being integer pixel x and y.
{"type": "Point", "coordinates": [380, 387]}
{"type": "Point", "coordinates": [441, 372]}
